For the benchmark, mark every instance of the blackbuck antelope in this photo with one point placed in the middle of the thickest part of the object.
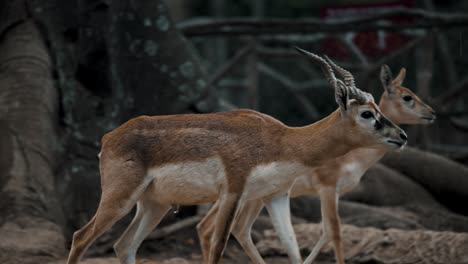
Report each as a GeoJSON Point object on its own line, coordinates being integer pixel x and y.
{"type": "Point", "coordinates": [230, 157]}
{"type": "Point", "coordinates": [328, 180]}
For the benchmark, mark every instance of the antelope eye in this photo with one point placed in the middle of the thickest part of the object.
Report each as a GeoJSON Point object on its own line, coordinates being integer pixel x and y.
{"type": "Point", "coordinates": [367, 114]}
{"type": "Point", "coordinates": [407, 98]}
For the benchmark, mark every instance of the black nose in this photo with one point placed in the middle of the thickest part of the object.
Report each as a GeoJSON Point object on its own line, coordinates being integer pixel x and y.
{"type": "Point", "coordinates": [403, 136]}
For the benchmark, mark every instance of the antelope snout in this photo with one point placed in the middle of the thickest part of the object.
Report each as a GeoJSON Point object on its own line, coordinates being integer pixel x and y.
{"type": "Point", "coordinates": [433, 115]}
{"type": "Point", "coordinates": [403, 135]}
{"type": "Point", "coordinates": [430, 117]}
{"type": "Point", "coordinates": [397, 138]}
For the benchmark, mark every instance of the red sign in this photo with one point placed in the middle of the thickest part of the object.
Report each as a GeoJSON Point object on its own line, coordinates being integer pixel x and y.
{"type": "Point", "coordinates": [372, 44]}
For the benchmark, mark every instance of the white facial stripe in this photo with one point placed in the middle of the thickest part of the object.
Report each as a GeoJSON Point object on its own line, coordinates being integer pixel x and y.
{"type": "Point", "coordinates": [378, 115]}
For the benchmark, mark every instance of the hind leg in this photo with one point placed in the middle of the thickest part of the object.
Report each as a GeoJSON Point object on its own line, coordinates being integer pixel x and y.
{"type": "Point", "coordinates": [117, 198]}
{"type": "Point", "coordinates": [79, 245]}
{"type": "Point", "coordinates": [104, 219]}
{"type": "Point", "coordinates": [147, 217]}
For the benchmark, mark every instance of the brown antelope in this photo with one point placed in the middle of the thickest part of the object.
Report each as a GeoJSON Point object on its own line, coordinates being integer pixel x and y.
{"type": "Point", "coordinates": [332, 178]}
{"type": "Point", "coordinates": [230, 157]}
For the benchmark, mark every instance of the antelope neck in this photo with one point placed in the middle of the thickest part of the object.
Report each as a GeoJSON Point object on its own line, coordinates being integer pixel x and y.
{"type": "Point", "coordinates": [320, 141]}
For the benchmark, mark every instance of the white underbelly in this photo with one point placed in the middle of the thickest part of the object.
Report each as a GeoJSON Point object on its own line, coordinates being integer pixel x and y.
{"type": "Point", "coordinates": [200, 182]}
{"type": "Point", "coordinates": [188, 182]}
{"type": "Point", "coordinates": [350, 176]}
{"type": "Point", "coordinates": [272, 178]}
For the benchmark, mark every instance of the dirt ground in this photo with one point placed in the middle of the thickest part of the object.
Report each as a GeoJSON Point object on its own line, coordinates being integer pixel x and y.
{"type": "Point", "coordinates": [179, 248]}
{"type": "Point", "coordinates": [361, 245]}
{"type": "Point", "coordinates": [372, 245]}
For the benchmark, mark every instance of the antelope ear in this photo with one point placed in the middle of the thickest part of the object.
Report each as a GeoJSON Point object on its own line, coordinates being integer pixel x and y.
{"type": "Point", "coordinates": [341, 95]}
{"type": "Point", "coordinates": [400, 78]}
{"type": "Point", "coordinates": [386, 78]}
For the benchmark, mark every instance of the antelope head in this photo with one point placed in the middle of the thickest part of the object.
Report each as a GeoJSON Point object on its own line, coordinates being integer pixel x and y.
{"type": "Point", "coordinates": [400, 104]}
{"type": "Point", "coordinates": [363, 121]}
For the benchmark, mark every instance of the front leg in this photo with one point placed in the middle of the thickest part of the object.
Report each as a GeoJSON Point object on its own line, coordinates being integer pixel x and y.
{"type": "Point", "coordinates": [241, 230]}
{"type": "Point", "coordinates": [227, 211]}
{"type": "Point", "coordinates": [331, 224]}
{"type": "Point", "coordinates": [280, 214]}
{"type": "Point", "coordinates": [205, 229]}
{"type": "Point", "coordinates": [243, 227]}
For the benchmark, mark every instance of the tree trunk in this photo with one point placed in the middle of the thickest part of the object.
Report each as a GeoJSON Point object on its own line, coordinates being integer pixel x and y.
{"type": "Point", "coordinates": [31, 215]}
{"type": "Point", "coordinates": [383, 186]}
{"type": "Point", "coordinates": [445, 179]}
{"type": "Point", "coordinates": [151, 59]}
{"type": "Point", "coordinates": [112, 61]}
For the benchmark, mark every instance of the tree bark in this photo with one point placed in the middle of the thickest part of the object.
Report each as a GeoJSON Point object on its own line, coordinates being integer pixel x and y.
{"type": "Point", "coordinates": [30, 223]}
{"type": "Point", "coordinates": [383, 186]}
{"type": "Point", "coordinates": [445, 179]}
{"type": "Point", "coordinates": [153, 61]}
{"type": "Point", "coordinates": [112, 61]}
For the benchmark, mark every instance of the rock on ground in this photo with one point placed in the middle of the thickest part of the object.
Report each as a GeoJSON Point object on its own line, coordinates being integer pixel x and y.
{"type": "Point", "coordinates": [371, 245]}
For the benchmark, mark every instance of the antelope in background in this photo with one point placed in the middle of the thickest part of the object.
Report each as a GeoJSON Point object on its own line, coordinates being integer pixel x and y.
{"type": "Point", "coordinates": [330, 179]}
{"type": "Point", "coordinates": [230, 157]}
